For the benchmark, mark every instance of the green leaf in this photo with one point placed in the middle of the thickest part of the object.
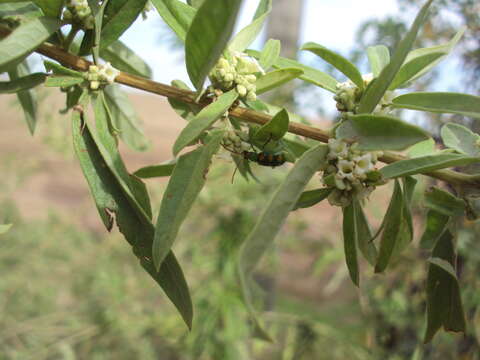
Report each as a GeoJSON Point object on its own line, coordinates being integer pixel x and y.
{"type": "Point", "coordinates": [4, 228]}
{"type": "Point", "coordinates": [378, 57]}
{"type": "Point", "coordinates": [62, 81]}
{"type": "Point", "coordinates": [444, 49]}
{"type": "Point", "coordinates": [312, 197]}
{"type": "Point", "coordinates": [350, 235]}
{"type": "Point", "coordinates": [186, 111]}
{"type": "Point", "coordinates": [124, 59]}
{"type": "Point", "coordinates": [154, 171]}
{"type": "Point", "coordinates": [185, 184]}
{"type": "Point", "coordinates": [443, 202]}
{"type": "Point", "coordinates": [125, 118]}
{"type": "Point", "coordinates": [461, 139]}
{"type": "Point", "coordinates": [21, 84]}
{"type": "Point", "coordinates": [406, 228]}
{"type": "Point", "coordinates": [364, 235]}
{"type": "Point", "coordinates": [337, 61]}
{"type": "Point", "coordinates": [22, 11]}
{"type": "Point", "coordinates": [298, 148]}
{"type": "Point", "coordinates": [276, 78]}
{"type": "Point", "coordinates": [375, 92]}
{"type": "Point", "coordinates": [435, 224]}
{"type": "Point", "coordinates": [440, 102]}
{"type": "Point", "coordinates": [444, 303]}
{"type": "Point", "coordinates": [203, 120]}
{"type": "Point", "coordinates": [119, 15]}
{"type": "Point", "coordinates": [412, 68]}
{"type": "Point", "coordinates": [270, 54]}
{"type": "Point", "coordinates": [26, 98]}
{"type": "Point", "coordinates": [380, 132]}
{"type": "Point", "coordinates": [52, 8]}
{"type": "Point", "coordinates": [391, 231]}
{"type": "Point", "coordinates": [273, 216]}
{"type": "Point", "coordinates": [248, 34]}
{"type": "Point", "coordinates": [24, 40]}
{"type": "Point", "coordinates": [207, 37]}
{"type": "Point", "coordinates": [111, 198]}
{"type": "Point", "coordinates": [425, 164]}
{"type": "Point", "coordinates": [275, 129]}
{"type": "Point", "coordinates": [58, 69]}
{"type": "Point", "coordinates": [423, 148]}
{"type": "Point", "coordinates": [176, 14]}
{"type": "Point", "coordinates": [311, 75]}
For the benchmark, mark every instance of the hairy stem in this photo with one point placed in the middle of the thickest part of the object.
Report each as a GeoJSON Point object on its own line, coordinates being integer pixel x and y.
{"type": "Point", "coordinates": [241, 113]}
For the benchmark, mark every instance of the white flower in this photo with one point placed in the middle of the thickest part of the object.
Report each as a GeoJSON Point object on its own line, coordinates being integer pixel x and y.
{"type": "Point", "coordinates": [108, 72]}
{"type": "Point", "coordinates": [338, 148]}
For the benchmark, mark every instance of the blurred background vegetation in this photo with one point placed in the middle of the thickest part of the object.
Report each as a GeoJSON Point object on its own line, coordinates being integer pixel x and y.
{"type": "Point", "coordinates": [70, 291]}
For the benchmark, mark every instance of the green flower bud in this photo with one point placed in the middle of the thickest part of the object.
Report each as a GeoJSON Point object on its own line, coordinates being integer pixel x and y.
{"type": "Point", "coordinates": [242, 90]}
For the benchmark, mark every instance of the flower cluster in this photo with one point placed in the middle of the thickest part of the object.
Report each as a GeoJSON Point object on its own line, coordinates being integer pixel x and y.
{"type": "Point", "coordinates": [101, 75]}
{"type": "Point", "coordinates": [350, 172]}
{"type": "Point", "coordinates": [348, 96]}
{"type": "Point", "coordinates": [79, 12]}
{"type": "Point", "coordinates": [239, 71]}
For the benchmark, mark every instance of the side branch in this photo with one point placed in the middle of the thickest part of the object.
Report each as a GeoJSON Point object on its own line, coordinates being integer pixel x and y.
{"type": "Point", "coordinates": [241, 113]}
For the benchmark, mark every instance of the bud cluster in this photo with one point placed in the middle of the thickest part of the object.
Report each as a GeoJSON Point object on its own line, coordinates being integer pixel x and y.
{"type": "Point", "coordinates": [350, 171]}
{"type": "Point", "coordinates": [233, 142]}
{"type": "Point", "coordinates": [236, 71]}
{"type": "Point", "coordinates": [79, 12]}
{"type": "Point", "coordinates": [348, 96]}
{"type": "Point", "coordinates": [101, 75]}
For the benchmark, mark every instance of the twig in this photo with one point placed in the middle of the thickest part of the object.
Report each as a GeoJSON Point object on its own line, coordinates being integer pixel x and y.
{"type": "Point", "coordinates": [241, 113]}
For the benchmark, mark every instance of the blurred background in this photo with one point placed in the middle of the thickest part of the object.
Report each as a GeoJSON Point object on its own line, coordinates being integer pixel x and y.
{"type": "Point", "coordinates": [69, 290]}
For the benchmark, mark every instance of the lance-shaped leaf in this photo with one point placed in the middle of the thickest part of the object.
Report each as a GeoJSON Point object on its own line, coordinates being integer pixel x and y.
{"type": "Point", "coordinates": [275, 129]}
{"type": "Point", "coordinates": [440, 102]}
{"type": "Point", "coordinates": [406, 227]}
{"type": "Point", "coordinates": [350, 235]}
{"type": "Point", "coordinates": [375, 92]}
{"type": "Point", "coordinates": [311, 198]}
{"type": "Point", "coordinates": [124, 59]}
{"type": "Point", "coordinates": [63, 81]}
{"type": "Point", "coordinates": [276, 78]}
{"type": "Point", "coordinates": [460, 138]}
{"type": "Point", "coordinates": [412, 68]}
{"type": "Point", "coordinates": [443, 202]}
{"type": "Point", "coordinates": [61, 70]}
{"type": "Point", "coordinates": [391, 230]}
{"type": "Point", "coordinates": [444, 303]}
{"type": "Point", "coordinates": [272, 218]}
{"type": "Point", "coordinates": [435, 225]}
{"type": "Point", "coordinates": [337, 61]}
{"type": "Point", "coordinates": [203, 120]}
{"type": "Point", "coordinates": [311, 75]}
{"type": "Point", "coordinates": [119, 15]}
{"type": "Point", "coordinates": [379, 132]}
{"type": "Point", "coordinates": [364, 235]}
{"type": "Point", "coordinates": [4, 228]}
{"type": "Point", "coordinates": [270, 54]}
{"type": "Point", "coordinates": [444, 49]}
{"type": "Point", "coordinates": [24, 40]}
{"type": "Point", "coordinates": [125, 118]}
{"type": "Point", "coordinates": [154, 171]}
{"type": "Point", "coordinates": [26, 98]}
{"type": "Point", "coordinates": [111, 198]}
{"type": "Point", "coordinates": [51, 8]}
{"type": "Point", "coordinates": [248, 34]}
{"type": "Point", "coordinates": [176, 14]}
{"type": "Point", "coordinates": [186, 111]}
{"type": "Point", "coordinates": [22, 11]}
{"type": "Point", "coordinates": [185, 184]}
{"type": "Point", "coordinates": [378, 57]}
{"type": "Point", "coordinates": [425, 164]}
{"type": "Point", "coordinates": [22, 83]}
{"type": "Point", "coordinates": [195, 3]}
{"type": "Point", "coordinates": [207, 37]}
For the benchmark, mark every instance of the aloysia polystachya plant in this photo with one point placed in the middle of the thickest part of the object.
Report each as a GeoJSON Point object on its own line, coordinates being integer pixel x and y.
{"type": "Point", "coordinates": [226, 116]}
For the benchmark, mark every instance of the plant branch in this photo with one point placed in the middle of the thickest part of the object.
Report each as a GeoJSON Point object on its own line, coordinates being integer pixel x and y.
{"type": "Point", "coordinates": [241, 113]}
